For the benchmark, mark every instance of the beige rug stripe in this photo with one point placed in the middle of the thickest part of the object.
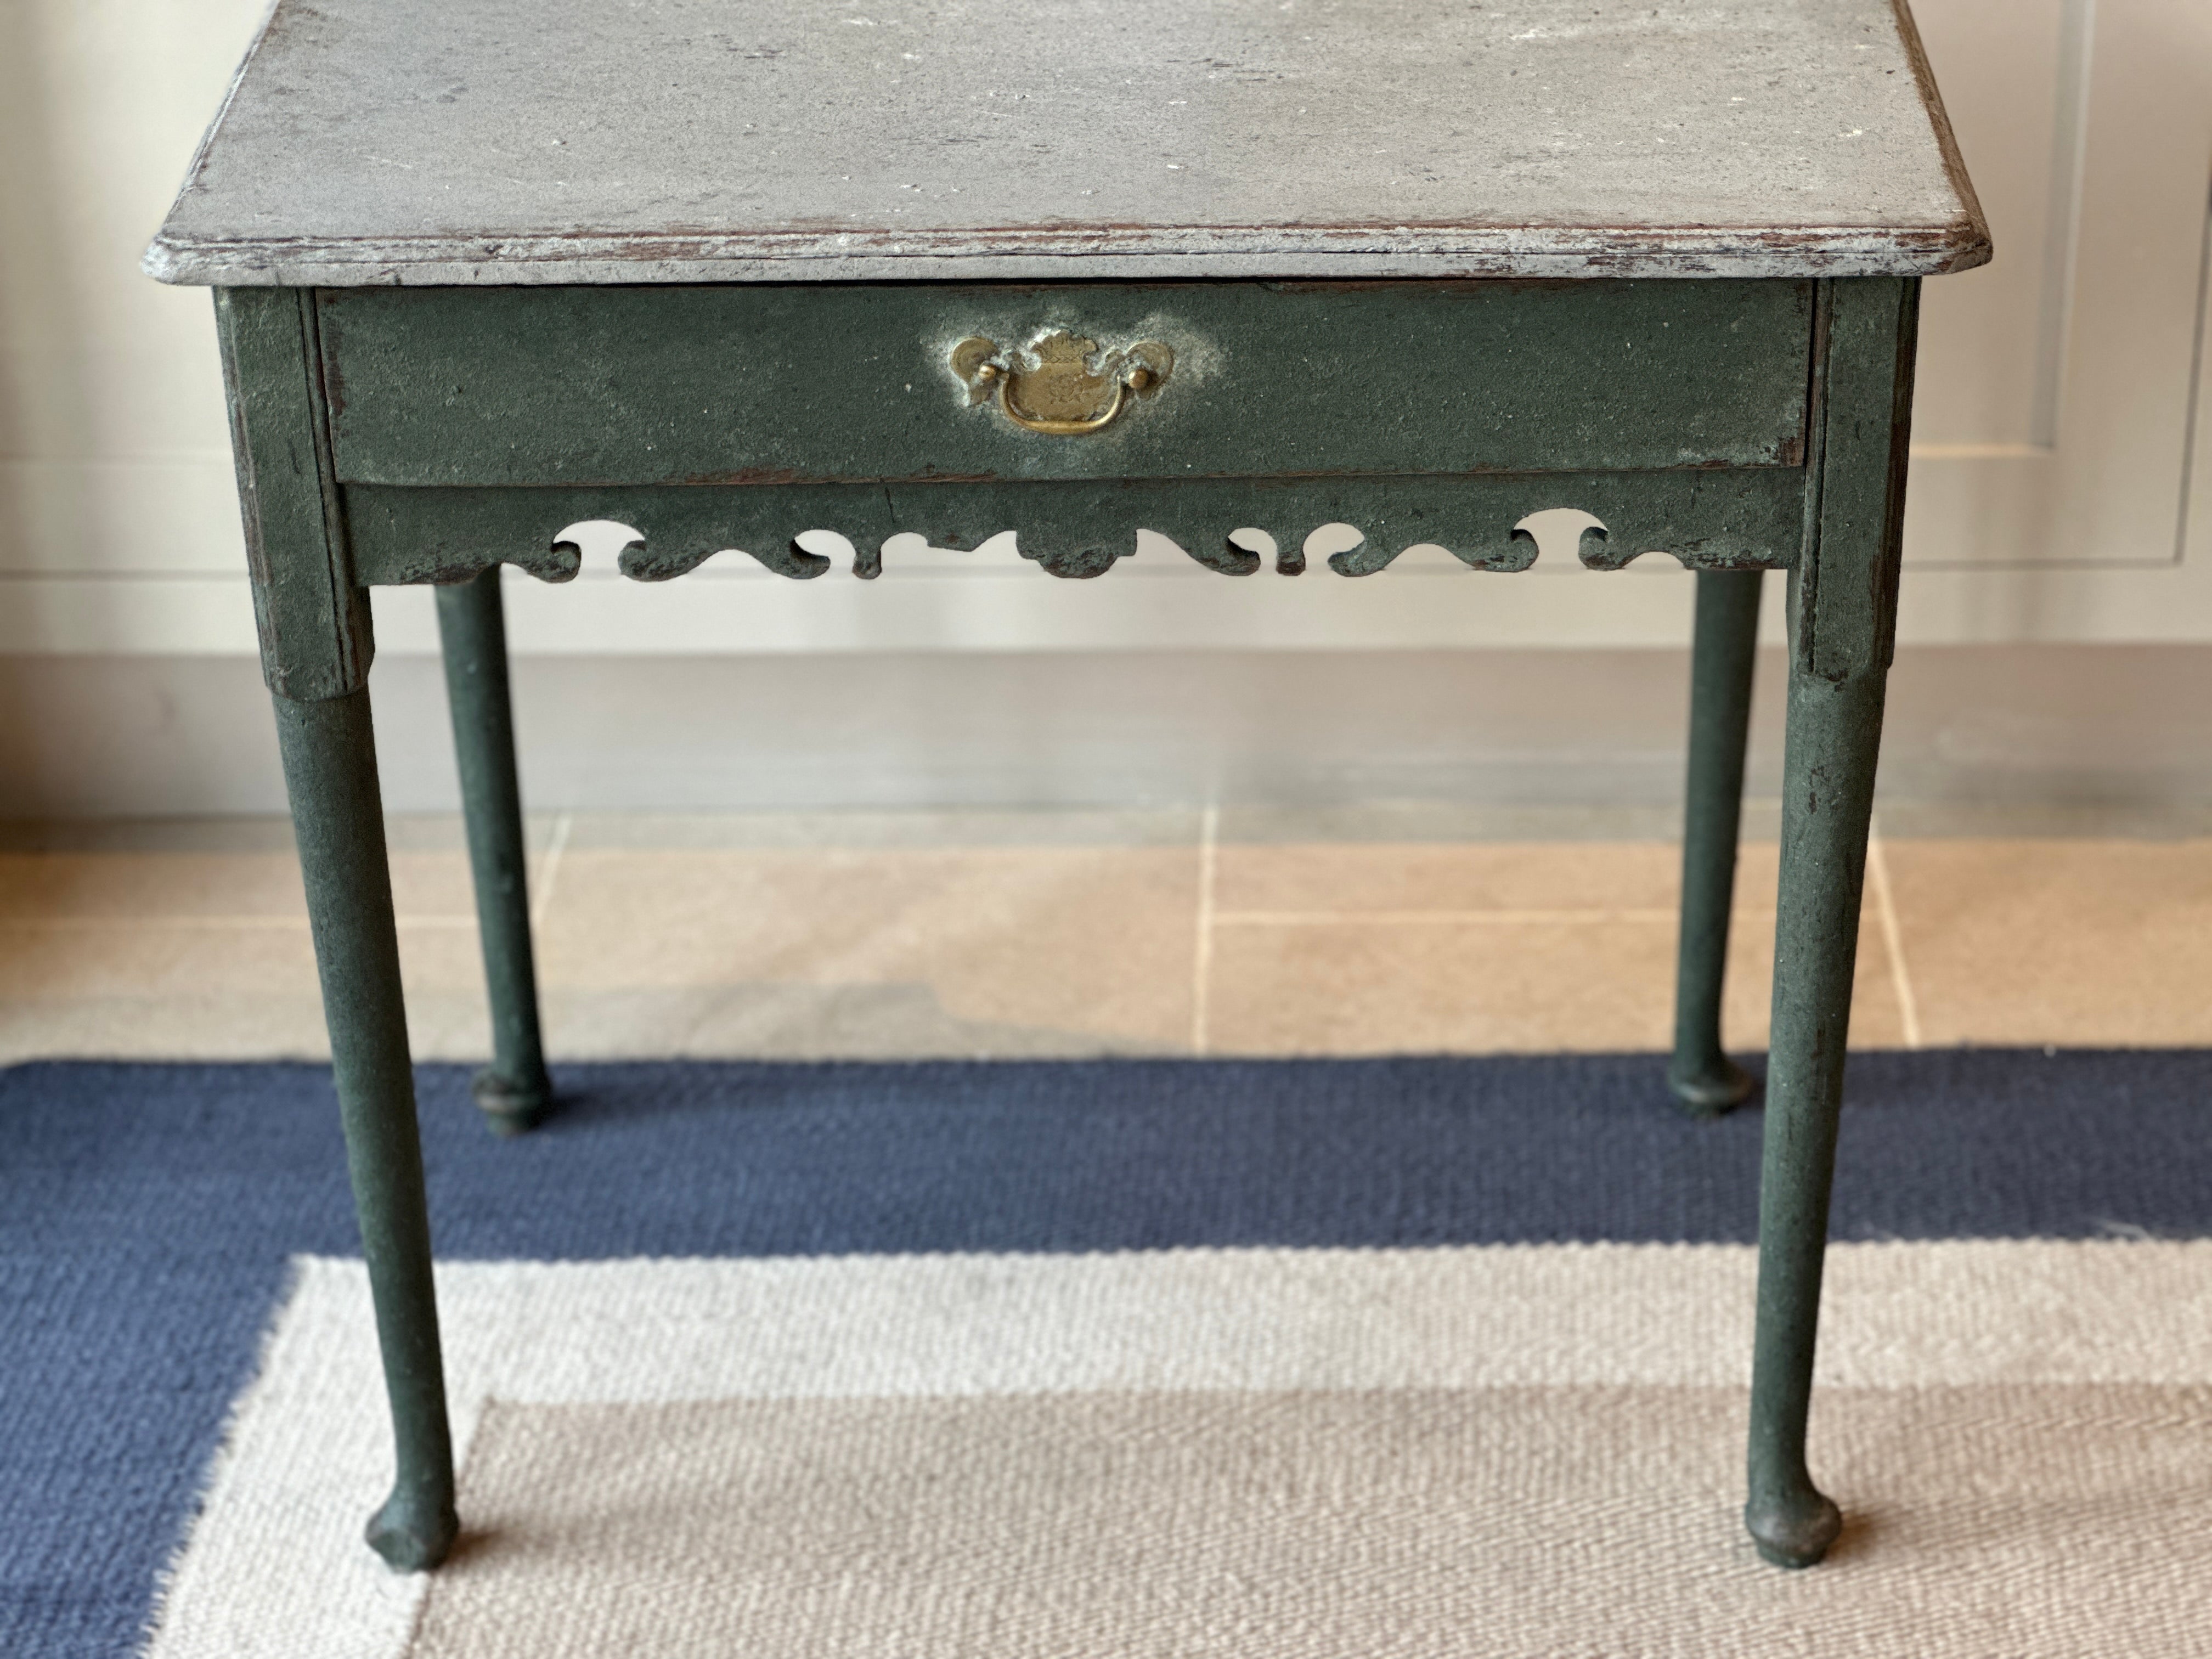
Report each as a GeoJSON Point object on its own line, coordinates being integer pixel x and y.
{"type": "Point", "coordinates": [274, 1567]}
{"type": "Point", "coordinates": [2016, 1520]}
{"type": "Point", "coordinates": [1960, 1310]}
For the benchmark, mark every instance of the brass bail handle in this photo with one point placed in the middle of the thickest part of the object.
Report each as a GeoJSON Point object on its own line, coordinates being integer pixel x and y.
{"type": "Point", "coordinates": [1051, 387]}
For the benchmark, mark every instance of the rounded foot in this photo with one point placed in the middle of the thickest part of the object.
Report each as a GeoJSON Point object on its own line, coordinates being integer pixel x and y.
{"type": "Point", "coordinates": [1795, 1533]}
{"type": "Point", "coordinates": [1711, 1088]}
{"type": "Point", "coordinates": [510, 1107]}
{"type": "Point", "coordinates": [412, 1533]}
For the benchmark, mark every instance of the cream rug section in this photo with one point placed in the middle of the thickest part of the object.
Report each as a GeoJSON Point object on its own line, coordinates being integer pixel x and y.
{"type": "Point", "coordinates": [275, 1566]}
{"type": "Point", "coordinates": [2013, 1520]}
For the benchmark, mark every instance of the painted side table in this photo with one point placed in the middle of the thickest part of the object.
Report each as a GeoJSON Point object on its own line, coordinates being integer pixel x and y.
{"type": "Point", "coordinates": [723, 270]}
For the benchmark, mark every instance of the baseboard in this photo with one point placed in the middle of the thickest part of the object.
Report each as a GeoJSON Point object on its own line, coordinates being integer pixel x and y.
{"type": "Point", "coordinates": [138, 736]}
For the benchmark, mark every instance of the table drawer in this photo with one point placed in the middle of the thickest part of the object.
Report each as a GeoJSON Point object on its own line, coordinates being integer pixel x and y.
{"type": "Point", "coordinates": [825, 383]}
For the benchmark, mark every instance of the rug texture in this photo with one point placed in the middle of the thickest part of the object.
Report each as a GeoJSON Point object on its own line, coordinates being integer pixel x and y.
{"type": "Point", "coordinates": [1125, 1358]}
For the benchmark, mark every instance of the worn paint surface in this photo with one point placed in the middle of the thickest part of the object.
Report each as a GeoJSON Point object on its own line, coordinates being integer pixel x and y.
{"type": "Point", "coordinates": [1842, 619]}
{"type": "Point", "coordinates": [1724, 653]}
{"type": "Point", "coordinates": [570, 141]}
{"type": "Point", "coordinates": [513, 1090]}
{"type": "Point", "coordinates": [1720, 519]}
{"type": "Point", "coordinates": [312, 618]}
{"type": "Point", "coordinates": [793, 383]}
{"type": "Point", "coordinates": [1831, 514]}
{"type": "Point", "coordinates": [328, 750]}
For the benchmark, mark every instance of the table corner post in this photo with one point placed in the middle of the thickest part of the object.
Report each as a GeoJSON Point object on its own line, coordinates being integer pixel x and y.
{"type": "Point", "coordinates": [316, 647]}
{"type": "Point", "coordinates": [1843, 628]}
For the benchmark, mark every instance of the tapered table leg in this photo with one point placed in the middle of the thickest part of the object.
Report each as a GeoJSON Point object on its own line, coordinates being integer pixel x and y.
{"type": "Point", "coordinates": [329, 770]}
{"type": "Point", "coordinates": [513, 1090]}
{"type": "Point", "coordinates": [1834, 731]}
{"type": "Point", "coordinates": [1704, 1079]}
{"type": "Point", "coordinates": [1843, 618]}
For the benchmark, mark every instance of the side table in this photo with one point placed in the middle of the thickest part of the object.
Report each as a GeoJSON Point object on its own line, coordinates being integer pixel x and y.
{"type": "Point", "coordinates": [723, 270]}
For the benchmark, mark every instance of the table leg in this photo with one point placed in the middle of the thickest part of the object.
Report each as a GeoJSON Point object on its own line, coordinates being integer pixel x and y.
{"type": "Point", "coordinates": [1704, 1079]}
{"type": "Point", "coordinates": [1834, 732]}
{"type": "Point", "coordinates": [513, 1090]}
{"type": "Point", "coordinates": [1843, 621]}
{"type": "Point", "coordinates": [329, 770]}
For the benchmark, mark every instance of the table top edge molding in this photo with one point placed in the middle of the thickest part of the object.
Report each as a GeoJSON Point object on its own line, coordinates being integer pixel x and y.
{"type": "Point", "coordinates": [1782, 252]}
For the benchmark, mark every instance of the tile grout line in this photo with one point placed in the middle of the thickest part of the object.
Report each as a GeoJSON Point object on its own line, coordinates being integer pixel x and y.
{"type": "Point", "coordinates": [1456, 918]}
{"type": "Point", "coordinates": [1209, 826]}
{"type": "Point", "coordinates": [551, 869]}
{"type": "Point", "coordinates": [1892, 936]}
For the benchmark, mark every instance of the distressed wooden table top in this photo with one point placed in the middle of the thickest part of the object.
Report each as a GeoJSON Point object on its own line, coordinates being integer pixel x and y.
{"type": "Point", "coordinates": [677, 141]}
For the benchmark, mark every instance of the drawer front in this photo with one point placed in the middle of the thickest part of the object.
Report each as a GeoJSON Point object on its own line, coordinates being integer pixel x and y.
{"type": "Point", "coordinates": [823, 383]}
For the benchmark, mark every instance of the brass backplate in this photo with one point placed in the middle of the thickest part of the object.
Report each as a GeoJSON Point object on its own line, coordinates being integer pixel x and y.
{"type": "Point", "coordinates": [1061, 384]}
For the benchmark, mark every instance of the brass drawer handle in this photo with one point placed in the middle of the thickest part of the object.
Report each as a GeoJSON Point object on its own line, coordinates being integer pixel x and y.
{"type": "Point", "coordinates": [1051, 387]}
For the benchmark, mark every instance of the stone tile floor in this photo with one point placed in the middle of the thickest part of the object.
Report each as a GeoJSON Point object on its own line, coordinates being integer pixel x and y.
{"type": "Point", "coordinates": [1355, 930]}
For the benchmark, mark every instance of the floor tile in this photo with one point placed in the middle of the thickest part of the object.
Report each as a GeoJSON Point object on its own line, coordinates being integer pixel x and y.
{"type": "Point", "coordinates": [259, 886]}
{"type": "Point", "coordinates": [890, 935]}
{"type": "Point", "coordinates": [264, 832]}
{"type": "Point", "coordinates": [2041, 820]}
{"type": "Point", "coordinates": [1004, 827]}
{"type": "Point", "coordinates": [47, 960]}
{"type": "Point", "coordinates": [1302, 878]}
{"type": "Point", "coordinates": [1458, 821]}
{"type": "Point", "coordinates": [255, 833]}
{"type": "Point", "coordinates": [1002, 950]}
{"type": "Point", "coordinates": [171, 990]}
{"type": "Point", "coordinates": [1539, 879]}
{"type": "Point", "coordinates": [2074, 942]}
{"type": "Point", "coordinates": [1604, 983]}
{"type": "Point", "coordinates": [144, 990]}
{"type": "Point", "coordinates": [118, 887]}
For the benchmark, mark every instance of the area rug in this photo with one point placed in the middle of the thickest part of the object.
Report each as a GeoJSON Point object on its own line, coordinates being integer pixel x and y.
{"type": "Point", "coordinates": [1420, 1357]}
